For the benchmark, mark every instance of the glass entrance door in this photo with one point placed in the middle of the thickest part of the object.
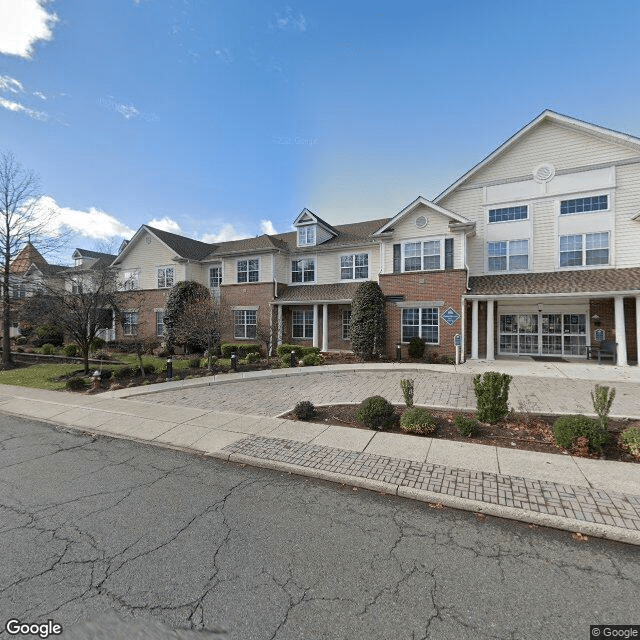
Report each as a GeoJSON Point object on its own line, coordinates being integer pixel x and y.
{"type": "Point", "coordinates": [560, 334]}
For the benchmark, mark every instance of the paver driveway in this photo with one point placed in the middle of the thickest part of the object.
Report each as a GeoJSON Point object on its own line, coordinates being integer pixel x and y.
{"type": "Point", "coordinates": [274, 395]}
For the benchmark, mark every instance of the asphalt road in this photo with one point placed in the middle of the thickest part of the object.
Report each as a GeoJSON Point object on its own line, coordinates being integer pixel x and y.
{"type": "Point", "coordinates": [110, 529]}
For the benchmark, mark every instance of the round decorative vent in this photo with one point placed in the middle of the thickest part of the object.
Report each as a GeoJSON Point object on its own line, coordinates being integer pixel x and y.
{"type": "Point", "coordinates": [422, 222]}
{"type": "Point", "coordinates": [544, 172]}
{"type": "Point", "coordinates": [147, 239]}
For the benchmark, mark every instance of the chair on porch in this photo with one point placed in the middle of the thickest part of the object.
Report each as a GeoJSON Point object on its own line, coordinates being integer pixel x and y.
{"type": "Point", "coordinates": [608, 349]}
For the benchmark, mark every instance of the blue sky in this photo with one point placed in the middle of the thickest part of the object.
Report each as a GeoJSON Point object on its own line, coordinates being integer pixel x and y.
{"type": "Point", "coordinates": [220, 120]}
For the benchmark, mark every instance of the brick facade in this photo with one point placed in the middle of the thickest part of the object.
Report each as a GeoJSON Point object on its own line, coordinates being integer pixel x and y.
{"type": "Point", "coordinates": [444, 288]}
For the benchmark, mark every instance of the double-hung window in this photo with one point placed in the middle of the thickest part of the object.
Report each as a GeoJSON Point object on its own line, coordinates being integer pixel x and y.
{"type": "Point", "coordinates": [422, 256]}
{"type": "Point", "coordinates": [584, 249]}
{"type": "Point", "coordinates": [215, 277]}
{"type": "Point", "coordinates": [160, 322]}
{"type": "Point", "coordinates": [303, 270]}
{"type": "Point", "coordinates": [584, 205]}
{"type": "Point", "coordinates": [165, 277]}
{"type": "Point", "coordinates": [508, 214]}
{"type": "Point", "coordinates": [302, 323]}
{"type": "Point", "coordinates": [307, 236]}
{"type": "Point", "coordinates": [354, 266]}
{"type": "Point", "coordinates": [248, 270]}
{"type": "Point", "coordinates": [244, 323]}
{"type": "Point", "coordinates": [131, 280]}
{"type": "Point", "coordinates": [130, 323]}
{"type": "Point", "coordinates": [508, 255]}
{"type": "Point", "coordinates": [346, 324]}
{"type": "Point", "coordinates": [421, 323]}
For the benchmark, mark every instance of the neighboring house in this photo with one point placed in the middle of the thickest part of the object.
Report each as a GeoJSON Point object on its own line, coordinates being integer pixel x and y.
{"type": "Point", "coordinates": [528, 254]}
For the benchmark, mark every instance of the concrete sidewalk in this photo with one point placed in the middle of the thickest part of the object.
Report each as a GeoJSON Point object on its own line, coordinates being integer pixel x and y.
{"type": "Point", "coordinates": [594, 497]}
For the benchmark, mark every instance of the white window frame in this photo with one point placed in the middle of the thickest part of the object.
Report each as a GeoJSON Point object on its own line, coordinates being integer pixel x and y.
{"type": "Point", "coordinates": [434, 311]}
{"type": "Point", "coordinates": [307, 235]}
{"type": "Point", "coordinates": [584, 250]}
{"type": "Point", "coordinates": [163, 277]}
{"type": "Point", "coordinates": [131, 279]}
{"type": "Point", "coordinates": [422, 242]}
{"type": "Point", "coordinates": [507, 256]}
{"type": "Point", "coordinates": [211, 284]}
{"type": "Point", "coordinates": [127, 325]}
{"type": "Point", "coordinates": [244, 276]}
{"type": "Point", "coordinates": [507, 209]}
{"type": "Point", "coordinates": [352, 275]}
{"type": "Point", "coordinates": [584, 197]}
{"type": "Point", "coordinates": [300, 261]}
{"type": "Point", "coordinates": [346, 324]}
{"type": "Point", "coordinates": [248, 320]}
{"type": "Point", "coordinates": [159, 321]}
{"type": "Point", "coordinates": [305, 324]}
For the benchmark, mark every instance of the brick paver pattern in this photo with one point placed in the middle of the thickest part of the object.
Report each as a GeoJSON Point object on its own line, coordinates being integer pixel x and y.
{"type": "Point", "coordinates": [576, 503]}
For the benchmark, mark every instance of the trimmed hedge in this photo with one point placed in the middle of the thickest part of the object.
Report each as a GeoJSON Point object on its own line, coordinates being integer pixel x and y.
{"type": "Point", "coordinates": [304, 410]}
{"type": "Point", "coordinates": [567, 428]}
{"type": "Point", "coordinates": [241, 348]}
{"type": "Point", "coordinates": [376, 413]}
{"type": "Point", "coordinates": [416, 347]}
{"type": "Point", "coordinates": [301, 351]}
{"type": "Point", "coordinates": [630, 439]}
{"type": "Point", "coordinates": [492, 394]}
{"type": "Point", "coordinates": [417, 420]}
{"type": "Point", "coordinates": [312, 360]}
{"type": "Point", "coordinates": [465, 426]}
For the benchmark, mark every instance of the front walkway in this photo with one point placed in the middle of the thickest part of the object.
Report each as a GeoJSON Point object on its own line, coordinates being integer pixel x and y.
{"type": "Point", "coordinates": [234, 417]}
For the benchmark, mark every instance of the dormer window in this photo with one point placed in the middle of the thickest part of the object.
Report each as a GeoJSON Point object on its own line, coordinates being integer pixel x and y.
{"type": "Point", "coordinates": [307, 236]}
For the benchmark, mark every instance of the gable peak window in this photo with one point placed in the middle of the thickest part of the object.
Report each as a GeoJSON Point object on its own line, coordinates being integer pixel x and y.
{"type": "Point", "coordinates": [307, 235]}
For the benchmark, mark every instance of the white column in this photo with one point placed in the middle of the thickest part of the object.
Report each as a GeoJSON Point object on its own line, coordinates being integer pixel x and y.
{"type": "Point", "coordinates": [315, 325]}
{"type": "Point", "coordinates": [474, 329]}
{"type": "Point", "coordinates": [280, 325]}
{"type": "Point", "coordinates": [325, 327]}
{"type": "Point", "coordinates": [638, 327]}
{"type": "Point", "coordinates": [621, 337]}
{"type": "Point", "coordinates": [490, 348]}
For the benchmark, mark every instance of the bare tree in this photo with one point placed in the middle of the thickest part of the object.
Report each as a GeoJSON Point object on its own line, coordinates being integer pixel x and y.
{"type": "Point", "coordinates": [80, 302]}
{"type": "Point", "coordinates": [20, 221]}
{"type": "Point", "coordinates": [201, 326]}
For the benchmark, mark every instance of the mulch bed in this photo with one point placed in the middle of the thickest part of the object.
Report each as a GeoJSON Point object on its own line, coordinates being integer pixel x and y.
{"type": "Point", "coordinates": [528, 432]}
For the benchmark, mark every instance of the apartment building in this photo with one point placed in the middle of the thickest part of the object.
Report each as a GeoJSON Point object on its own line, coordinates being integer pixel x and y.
{"type": "Point", "coordinates": [533, 252]}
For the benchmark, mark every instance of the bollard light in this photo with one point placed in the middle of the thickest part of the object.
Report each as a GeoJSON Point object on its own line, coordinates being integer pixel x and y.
{"type": "Point", "coordinates": [293, 358]}
{"type": "Point", "coordinates": [399, 352]}
{"type": "Point", "coordinates": [169, 367]}
{"type": "Point", "coordinates": [234, 361]}
{"type": "Point", "coordinates": [97, 379]}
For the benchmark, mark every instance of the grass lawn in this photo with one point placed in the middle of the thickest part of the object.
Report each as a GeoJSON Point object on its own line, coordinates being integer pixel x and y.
{"type": "Point", "coordinates": [39, 376]}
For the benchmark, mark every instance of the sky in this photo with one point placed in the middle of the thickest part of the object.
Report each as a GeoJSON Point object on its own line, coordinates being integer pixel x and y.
{"type": "Point", "coordinates": [222, 119]}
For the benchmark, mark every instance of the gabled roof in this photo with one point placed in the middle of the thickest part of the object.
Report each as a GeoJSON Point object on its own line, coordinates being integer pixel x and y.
{"type": "Point", "coordinates": [184, 247]}
{"type": "Point", "coordinates": [28, 255]}
{"type": "Point", "coordinates": [546, 116]}
{"type": "Point", "coordinates": [306, 217]}
{"type": "Point", "coordinates": [418, 202]}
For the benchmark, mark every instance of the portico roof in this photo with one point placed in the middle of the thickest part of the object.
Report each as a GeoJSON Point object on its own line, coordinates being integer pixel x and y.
{"type": "Point", "coordinates": [341, 292]}
{"type": "Point", "coordinates": [588, 281]}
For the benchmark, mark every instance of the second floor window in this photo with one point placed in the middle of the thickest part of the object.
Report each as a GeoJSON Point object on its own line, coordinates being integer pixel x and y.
{"type": "Point", "coordinates": [584, 205]}
{"type": "Point", "coordinates": [422, 256]}
{"type": "Point", "coordinates": [354, 267]}
{"type": "Point", "coordinates": [215, 277]}
{"type": "Point", "coordinates": [303, 270]}
{"type": "Point", "coordinates": [248, 270]}
{"type": "Point", "coordinates": [506, 214]}
{"type": "Point", "coordinates": [76, 287]}
{"type": "Point", "coordinates": [165, 277]}
{"type": "Point", "coordinates": [131, 280]}
{"type": "Point", "coordinates": [130, 323]}
{"type": "Point", "coordinates": [18, 291]}
{"type": "Point", "coordinates": [584, 249]}
{"type": "Point", "coordinates": [511, 255]}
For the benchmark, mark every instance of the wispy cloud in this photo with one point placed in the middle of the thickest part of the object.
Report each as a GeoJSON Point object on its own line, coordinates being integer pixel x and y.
{"type": "Point", "coordinates": [17, 107]}
{"type": "Point", "coordinates": [165, 224]}
{"type": "Point", "coordinates": [39, 94]}
{"type": "Point", "coordinates": [11, 85]}
{"type": "Point", "coordinates": [266, 226]}
{"type": "Point", "coordinates": [287, 19]}
{"type": "Point", "coordinates": [225, 233]}
{"type": "Point", "coordinates": [127, 111]}
{"type": "Point", "coordinates": [224, 55]}
{"type": "Point", "coordinates": [22, 24]}
{"type": "Point", "coordinates": [92, 223]}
